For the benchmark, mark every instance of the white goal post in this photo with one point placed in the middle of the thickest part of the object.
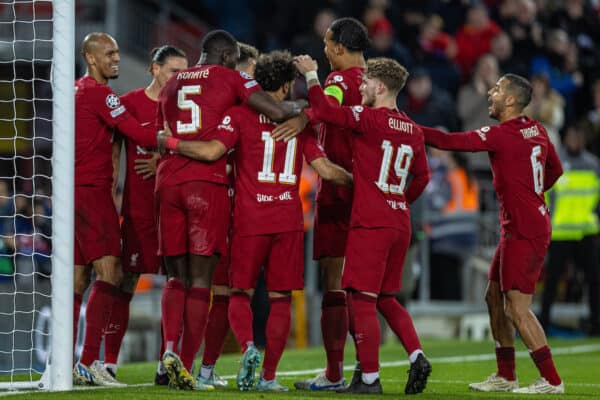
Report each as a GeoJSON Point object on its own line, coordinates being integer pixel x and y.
{"type": "Point", "coordinates": [36, 327]}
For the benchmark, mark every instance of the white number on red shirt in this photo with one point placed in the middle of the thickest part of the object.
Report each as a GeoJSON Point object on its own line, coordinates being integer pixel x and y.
{"type": "Point", "coordinates": [186, 104]}
{"type": "Point", "coordinates": [404, 156]}
{"type": "Point", "coordinates": [267, 174]}
{"type": "Point", "coordinates": [538, 170]}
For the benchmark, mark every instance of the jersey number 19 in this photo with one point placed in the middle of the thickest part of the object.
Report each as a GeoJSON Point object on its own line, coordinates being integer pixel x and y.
{"type": "Point", "coordinates": [404, 156]}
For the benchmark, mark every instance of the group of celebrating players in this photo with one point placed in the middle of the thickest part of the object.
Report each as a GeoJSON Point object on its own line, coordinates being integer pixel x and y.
{"type": "Point", "coordinates": [225, 203]}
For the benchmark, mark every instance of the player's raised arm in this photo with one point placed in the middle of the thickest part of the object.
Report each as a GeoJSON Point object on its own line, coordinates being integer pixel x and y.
{"type": "Point", "coordinates": [277, 111]}
{"type": "Point", "coordinates": [459, 141]}
{"type": "Point", "coordinates": [420, 173]}
{"type": "Point", "coordinates": [553, 167]}
{"type": "Point", "coordinates": [209, 151]}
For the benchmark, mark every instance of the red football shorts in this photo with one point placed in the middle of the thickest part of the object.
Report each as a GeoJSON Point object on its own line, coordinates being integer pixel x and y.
{"type": "Point", "coordinates": [97, 232]}
{"type": "Point", "coordinates": [332, 224]}
{"type": "Point", "coordinates": [375, 259]}
{"type": "Point", "coordinates": [140, 246]}
{"type": "Point", "coordinates": [193, 217]}
{"type": "Point", "coordinates": [281, 255]}
{"type": "Point", "coordinates": [518, 262]}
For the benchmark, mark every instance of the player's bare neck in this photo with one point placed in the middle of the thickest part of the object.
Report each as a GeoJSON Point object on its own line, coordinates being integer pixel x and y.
{"type": "Point", "coordinates": [210, 59]}
{"type": "Point", "coordinates": [385, 102]}
{"type": "Point", "coordinates": [95, 75]}
{"type": "Point", "coordinates": [507, 115]}
{"type": "Point", "coordinates": [352, 60]}
{"type": "Point", "coordinates": [152, 90]}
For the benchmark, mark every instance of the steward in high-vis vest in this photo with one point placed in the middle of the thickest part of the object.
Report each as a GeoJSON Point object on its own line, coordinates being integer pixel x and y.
{"type": "Point", "coordinates": [574, 209]}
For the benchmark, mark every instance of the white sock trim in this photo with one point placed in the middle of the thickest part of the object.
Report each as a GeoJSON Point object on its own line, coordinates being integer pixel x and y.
{"type": "Point", "coordinates": [370, 377]}
{"type": "Point", "coordinates": [206, 371]}
{"type": "Point", "coordinates": [413, 356]}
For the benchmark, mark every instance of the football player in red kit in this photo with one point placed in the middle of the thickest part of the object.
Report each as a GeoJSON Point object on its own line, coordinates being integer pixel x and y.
{"type": "Point", "coordinates": [525, 165]}
{"type": "Point", "coordinates": [388, 149]}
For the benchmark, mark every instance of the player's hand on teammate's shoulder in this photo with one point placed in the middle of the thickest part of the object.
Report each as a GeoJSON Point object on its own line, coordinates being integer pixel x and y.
{"type": "Point", "coordinates": [305, 63]}
{"type": "Point", "coordinates": [146, 167]}
{"type": "Point", "coordinates": [290, 128]}
{"type": "Point", "coordinates": [161, 139]}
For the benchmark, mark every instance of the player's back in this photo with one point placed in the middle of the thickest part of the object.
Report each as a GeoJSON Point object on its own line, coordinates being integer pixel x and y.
{"type": "Point", "coordinates": [388, 149]}
{"type": "Point", "coordinates": [137, 191]}
{"type": "Point", "coordinates": [267, 174]}
{"type": "Point", "coordinates": [97, 110]}
{"type": "Point", "coordinates": [193, 103]}
{"type": "Point", "coordinates": [518, 164]}
{"type": "Point", "coordinates": [344, 85]}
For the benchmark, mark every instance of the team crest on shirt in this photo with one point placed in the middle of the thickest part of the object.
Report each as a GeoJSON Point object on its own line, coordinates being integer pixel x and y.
{"type": "Point", "coordinates": [112, 101]}
{"type": "Point", "coordinates": [338, 78]}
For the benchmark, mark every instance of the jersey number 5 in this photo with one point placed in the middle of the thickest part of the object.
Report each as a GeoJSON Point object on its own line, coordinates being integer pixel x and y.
{"type": "Point", "coordinates": [186, 104]}
{"type": "Point", "coordinates": [267, 174]}
{"type": "Point", "coordinates": [538, 170]}
{"type": "Point", "coordinates": [404, 156]}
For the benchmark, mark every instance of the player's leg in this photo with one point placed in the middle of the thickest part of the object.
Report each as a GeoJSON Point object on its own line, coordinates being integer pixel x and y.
{"type": "Point", "coordinates": [398, 318]}
{"type": "Point", "coordinates": [197, 303]}
{"type": "Point", "coordinates": [521, 265]}
{"type": "Point", "coordinates": [119, 320]}
{"type": "Point", "coordinates": [248, 254]}
{"type": "Point", "coordinates": [82, 279]}
{"type": "Point", "coordinates": [284, 272]}
{"type": "Point", "coordinates": [364, 269]}
{"type": "Point", "coordinates": [216, 332]}
{"type": "Point", "coordinates": [504, 379]}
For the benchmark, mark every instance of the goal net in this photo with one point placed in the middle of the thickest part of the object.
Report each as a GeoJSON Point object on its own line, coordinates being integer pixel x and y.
{"type": "Point", "coordinates": [36, 193]}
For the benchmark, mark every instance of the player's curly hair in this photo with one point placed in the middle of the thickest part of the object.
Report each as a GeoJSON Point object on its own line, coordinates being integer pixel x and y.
{"type": "Point", "coordinates": [274, 69]}
{"type": "Point", "coordinates": [390, 72]}
{"type": "Point", "coordinates": [350, 33]}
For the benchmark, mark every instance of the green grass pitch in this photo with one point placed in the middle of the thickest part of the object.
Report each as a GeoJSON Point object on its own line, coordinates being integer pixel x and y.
{"type": "Point", "coordinates": [455, 365]}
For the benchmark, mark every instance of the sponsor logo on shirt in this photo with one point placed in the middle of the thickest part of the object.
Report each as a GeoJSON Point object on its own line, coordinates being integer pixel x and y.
{"type": "Point", "coordinates": [226, 124]}
{"type": "Point", "coordinates": [286, 196]}
{"type": "Point", "coordinates": [112, 101]}
{"type": "Point", "coordinates": [117, 112]}
{"type": "Point", "coordinates": [261, 198]}
{"type": "Point", "coordinates": [482, 131]}
{"type": "Point", "coordinates": [397, 205]}
{"type": "Point", "coordinates": [356, 110]}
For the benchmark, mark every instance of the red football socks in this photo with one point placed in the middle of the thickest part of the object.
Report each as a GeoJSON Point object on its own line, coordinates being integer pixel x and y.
{"type": "Point", "coordinates": [334, 327]}
{"type": "Point", "coordinates": [117, 326]}
{"type": "Point", "coordinates": [197, 302]}
{"type": "Point", "coordinates": [240, 318]}
{"type": "Point", "coordinates": [542, 358]}
{"type": "Point", "coordinates": [277, 332]}
{"type": "Point", "coordinates": [216, 329]}
{"type": "Point", "coordinates": [505, 359]}
{"type": "Point", "coordinates": [400, 322]}
{"type": "Point", "coordinates": [97, 315]}
{"type": "Point", "coordinates": [77, 300]}
{"type": "Point", "coordinates": [367, 333]}
{"type": "Point", "coordinates": [173, 299]}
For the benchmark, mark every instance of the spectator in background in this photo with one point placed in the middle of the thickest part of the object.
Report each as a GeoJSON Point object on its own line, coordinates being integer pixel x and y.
{"type": "Point", "coordinates": [311, 43]}
{"type": "Point", "coordinates": [574, 208]}
{"type": "Point", "coordinates": [591, 122]}
{"type": "Point", "coordinates": [472, 99]}
{"type": "Point", "coordinates": [559, 64]}
{"type": "Point", "coordinates": [7, 210]}
{"type": "Point", "coordinates": [436, 52]}
{"type": "Point", "coordinates": [426, 104]}
{"type": "Point", "coordinates": [546, 106]}
{"type": "Point", "coordinates": [474, 38]}
{"type": "Point", "coordinates": [502, 49]}
{"type": "Point", "coordinates": [453, 204]}
{"type": "Point", "coordinates": [383, 43]}
{"type": "Point", "coordinates": [524, 30]}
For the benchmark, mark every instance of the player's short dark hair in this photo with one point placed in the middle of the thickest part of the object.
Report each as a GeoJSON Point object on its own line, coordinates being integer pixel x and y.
{"type": "Point", "coordinates": [274, 69]}
{"type": "Point", "coordinates": [350, 33]}
{"type": "Point", "coordinates": [159, 55]}
{"type": "Point", "coordinates": [247, 52]}
{"type": "Point", "coordinates": [217, 41]}
{"type": "Point", "coordinates": [390, 72]}
{"type": "Point", "coordinates": [520, 88]}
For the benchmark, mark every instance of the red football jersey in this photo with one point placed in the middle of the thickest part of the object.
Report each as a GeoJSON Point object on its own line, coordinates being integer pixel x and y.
{"type": "Point", "coordinates": [267, 173]}
{"type": "Point", "coordinates": [388, 147]}
{"type": "Point", "coordinates": [336, 140]}
{"type": "Point", "coordinates": [193, 103]}
{"type": "Point", "coordinates": [138, 193]}
{"type": "Point", "coordinates": [97, 111]}
{"type": "Point", "coordinates": [524, 163]}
